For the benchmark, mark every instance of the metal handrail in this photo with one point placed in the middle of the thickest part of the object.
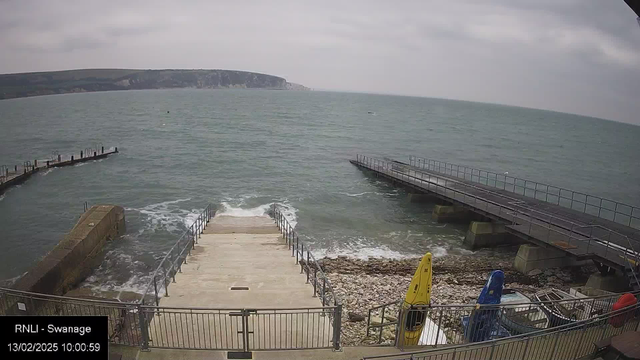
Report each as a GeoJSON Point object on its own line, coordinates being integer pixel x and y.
{"type": "Point", "coordinates": [595, 321]}
{"type": "Point", "coordinates": [567, 303]}
{"type": "Point", "coordinates": [378, 164]}
{"type": "Point", "coordinates": [191, 236]}
{"type": "Point", "coordinates": [299, 248]}
{"type": "Point", "coordinates": [538, 187]}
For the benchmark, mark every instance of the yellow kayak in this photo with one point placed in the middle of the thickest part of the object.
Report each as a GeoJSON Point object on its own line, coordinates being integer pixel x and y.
{"type": "Point", "coordinates": [418, 296]}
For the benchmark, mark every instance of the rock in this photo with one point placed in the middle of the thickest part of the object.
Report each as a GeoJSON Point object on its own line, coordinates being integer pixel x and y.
{"type": "Point", "coordinates": [389, 334]}
{"type": "Point", "coordinates": [534, 272]}
{"type": "Point", "coordinates": [457, 279]}
{"type": "Point", "coordinates": [355, 317]}
{"type": "Point", "coordinates": [375, 320]}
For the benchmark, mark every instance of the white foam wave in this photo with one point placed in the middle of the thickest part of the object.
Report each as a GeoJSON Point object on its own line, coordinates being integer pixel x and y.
{"type": "Point", "coordinates": [287, 209]}
{"type": "Point", "coordinates": [136, 284]}
{"type": "Point", "coordinates": [357, 195]}
{"type": "Point", "coordinates": [80, 164]}
{"type": "Point", "coordinates": [167, 216]}
{"type": "Point", "coordinates": [1, 197]}
{"type": "Point", "coordinates": [48, 171]}
{"type": "Point", "coordinates": [106, 279]}
{"type": "Point", "coordinates": [363, 253]}
{"type": "Point", "coordinates": [439, 251]}
{"type": "Point", "coordinates": [229, 210]}
{"type": "Point", "coordinates": [10, 281]}
{"type": "Point", "coordinates": [382, 251]}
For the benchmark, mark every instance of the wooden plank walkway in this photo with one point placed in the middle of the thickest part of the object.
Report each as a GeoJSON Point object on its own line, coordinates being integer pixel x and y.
{"type": "Point", "coordinates": [583, 235]}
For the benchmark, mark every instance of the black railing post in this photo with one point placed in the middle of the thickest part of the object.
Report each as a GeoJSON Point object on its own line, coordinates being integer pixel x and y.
{"type": "Point", "coordinates": [142, 321]}
{"type": "Point", "coordinates": [301, 258]}
{"type": "Point", "coordinates": [307, 266]}
{"type": "Point", "coordinates": [324, 290]}
{"type": "Point", "coordinates": [337, 324]}
{"type": "Point", "coordinates": [315, 280]}
{"type": "Point", "coordinates": [155, 287]}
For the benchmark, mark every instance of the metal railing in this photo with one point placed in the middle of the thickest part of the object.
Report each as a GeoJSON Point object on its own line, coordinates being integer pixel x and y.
{"type": "Point", "coordinates": [175, 257]}
{"type": "Point", "coordinates": [589, 204]}
{"type": "Point", "coordinates": [446, 326]}
{"type": "Point", "coordinates": [124, 322]}
{"type": "Point", "coordinates": [134, 324]}
{"type": "Point", "coordinates": [512, 210]}
{"type": "Point", "coordinates": [308, 264]}
{"type": "Point", "coordinates": [566, 342]}
{"type": "Point", "coordinates": [241, 329]}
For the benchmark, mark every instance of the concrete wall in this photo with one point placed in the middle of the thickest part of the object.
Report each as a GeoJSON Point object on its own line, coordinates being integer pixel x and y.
{"type": "Point", "coordinates": [73, 259]}
{"type": "Point", "coordinates": [533, 257]}
{"type": "Point", "coordinates": [446, 213]}
{"type": "Point", "coordinates": [485, 234]}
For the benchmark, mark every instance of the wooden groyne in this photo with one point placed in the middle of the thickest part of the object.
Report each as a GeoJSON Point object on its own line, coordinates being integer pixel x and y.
{"type": "Point", "coordinates": [11, 176]}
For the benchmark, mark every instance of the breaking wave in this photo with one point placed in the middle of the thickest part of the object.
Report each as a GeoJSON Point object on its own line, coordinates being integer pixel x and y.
{"type": "Point", "coordinates": [261, 210]}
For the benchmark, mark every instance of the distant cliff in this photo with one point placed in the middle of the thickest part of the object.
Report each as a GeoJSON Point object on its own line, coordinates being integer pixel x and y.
{"type": "Point", "coordinates": [85, 80]}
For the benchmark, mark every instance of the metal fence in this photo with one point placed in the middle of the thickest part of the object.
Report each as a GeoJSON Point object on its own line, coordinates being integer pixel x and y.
{"type": "Point", "coordinates": [593, 205]}
{"type": "Point", "coordinates": [567, 342]}
{"type": "Point", "coordinates": [308, 264]}
{"type": "Point", "coordinates": [458, 324]}
{"type": "Point", "coordinates": [172, 262]}
{"type": "Point", "coordinates": [134, 324]}
{"type": "Point", "coordinates": [241, 329]}
{"type": "Point", "coordinates": [576, 238]}
{"type": "Point", "coordinates": [124, 321]}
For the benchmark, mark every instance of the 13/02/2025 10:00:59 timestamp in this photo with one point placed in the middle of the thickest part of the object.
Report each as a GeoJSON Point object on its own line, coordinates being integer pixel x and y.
{"type": "Point", "coordinates": [52, 347]}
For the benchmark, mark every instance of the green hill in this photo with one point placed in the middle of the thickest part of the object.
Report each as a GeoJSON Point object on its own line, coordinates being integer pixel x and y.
{"type": "Point", "coordinates": [85, 80]}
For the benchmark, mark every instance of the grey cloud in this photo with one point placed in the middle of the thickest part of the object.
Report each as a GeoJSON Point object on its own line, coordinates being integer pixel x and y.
{"type": "Point", "coordinates": [580, 56]}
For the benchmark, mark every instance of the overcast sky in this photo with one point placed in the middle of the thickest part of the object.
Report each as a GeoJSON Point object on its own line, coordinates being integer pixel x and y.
{"type": "Point", "coordinates": [578, 56]}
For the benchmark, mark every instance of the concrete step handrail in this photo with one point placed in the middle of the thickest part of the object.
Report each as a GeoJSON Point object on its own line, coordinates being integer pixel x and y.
{"type": "Point", "coordinates": [172, 262]}
{"type": "Point", "coordinates": [305, 258]}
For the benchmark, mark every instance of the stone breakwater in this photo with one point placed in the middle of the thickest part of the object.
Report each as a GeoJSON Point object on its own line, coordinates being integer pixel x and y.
{"type": "Point", "coordinates": [457, 279]}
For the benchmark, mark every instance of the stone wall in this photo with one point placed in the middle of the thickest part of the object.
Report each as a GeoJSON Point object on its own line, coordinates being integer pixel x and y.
{"type": "Point", "coordinates": [73, 259]}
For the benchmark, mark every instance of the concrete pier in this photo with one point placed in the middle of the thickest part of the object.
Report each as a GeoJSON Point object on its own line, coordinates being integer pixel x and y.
{"type": "Point", "coordinates": [243, 263]}
{"type": "Point", "coordinates": [446, 213]}
{"type": "Point", "coordinates": [612, 282]}
{"type": "Point", "coordinates": [533, 257]}
{"type": "Point", "coordinates": [76, 255]}
{"type": "Point", "coordinates": [485, 234]}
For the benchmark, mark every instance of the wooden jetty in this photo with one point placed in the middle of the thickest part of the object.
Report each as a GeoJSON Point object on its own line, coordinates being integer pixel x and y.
{"type": "Point", "coordinates": [11, 176]}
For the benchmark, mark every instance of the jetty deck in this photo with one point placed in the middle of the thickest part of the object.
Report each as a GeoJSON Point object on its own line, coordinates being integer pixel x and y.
{"type": "Point", "coordinates": [528, 215]}
{"type": "Point", "coordinates": [241, 275]}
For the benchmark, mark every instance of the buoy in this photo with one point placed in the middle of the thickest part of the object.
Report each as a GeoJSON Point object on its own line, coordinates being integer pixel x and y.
{"type": "Point", "coordinates": [167, 111]}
